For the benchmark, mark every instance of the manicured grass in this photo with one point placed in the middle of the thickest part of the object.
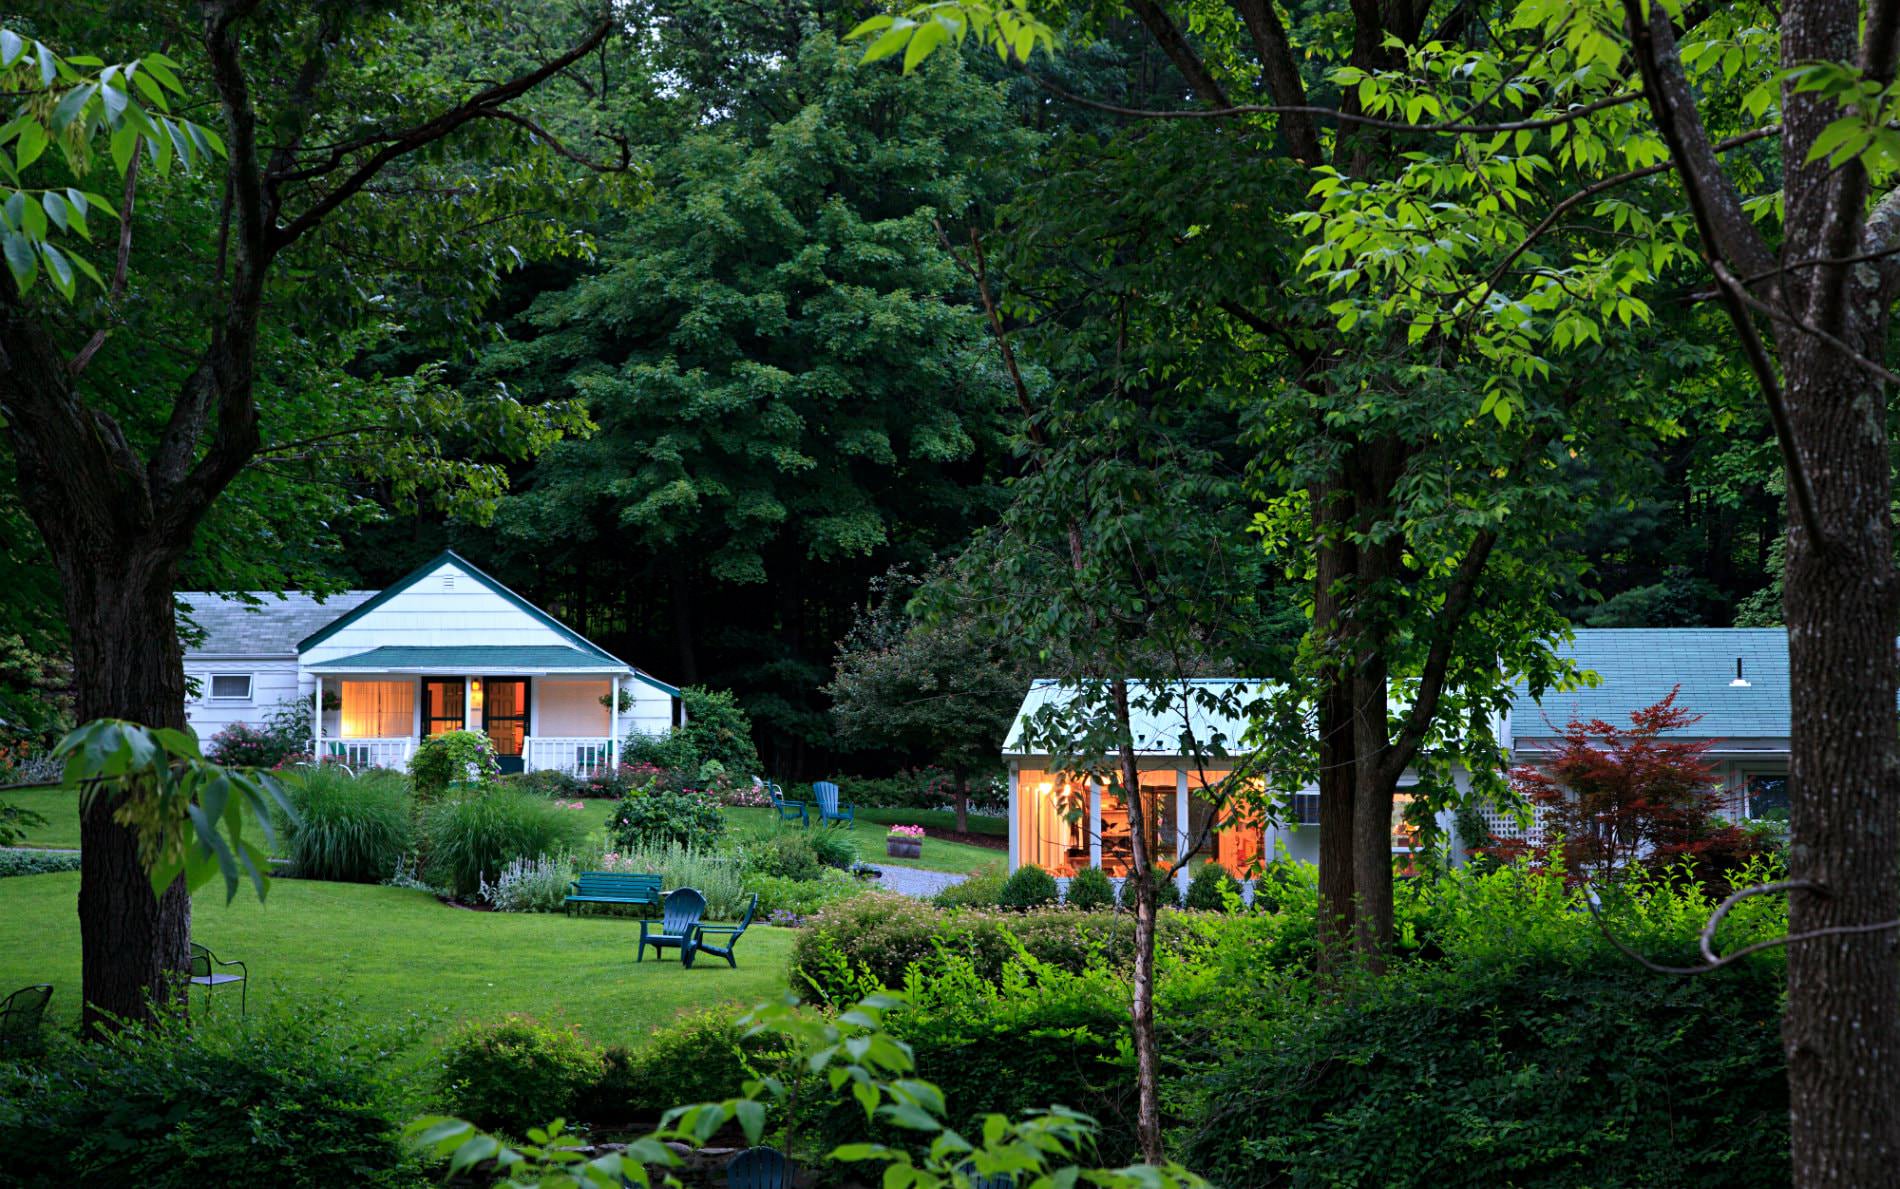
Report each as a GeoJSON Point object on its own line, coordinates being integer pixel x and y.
{"type": "Point", "coordinates": [59, 807]}
{"type": "Point", "coordinates": [937, 819]}
{"type": "Point", "coordinates": [387, 954]}
{"type": "Point", "coordinates": [939, 855]}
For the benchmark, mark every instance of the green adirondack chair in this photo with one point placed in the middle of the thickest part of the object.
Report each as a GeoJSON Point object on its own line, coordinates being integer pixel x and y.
{"type": "Point", "coordinates": [787, 810]}
{"type": "Point", "coordinates": [731, 934]}
{"type": "Point", "coordinates": [828, 808]}
{"type": "Point", "coordinates": [759, 1168]}
{"type": "Point", "coordinates": [20, 1016]}
{"type": "Point", "coordinates": [677, 928]}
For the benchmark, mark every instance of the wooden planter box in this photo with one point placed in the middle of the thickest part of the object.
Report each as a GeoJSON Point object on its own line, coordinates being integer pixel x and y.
{"type": "Point", "coordinates": [898, 849]}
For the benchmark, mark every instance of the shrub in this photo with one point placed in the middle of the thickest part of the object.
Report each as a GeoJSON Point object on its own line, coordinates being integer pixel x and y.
{"type": "Point", "coordinates": [659, 819]}
{"type": "Point", "coordinates": [1210, 888]}
{"type": "Point", "coordinates": [1029, 886]}
{"type": "Point", "coordinates": [978, 891]}
{"type": "Point", "coordinates": [1167, 892]}
{"type": "Point", "coordinates": [1517, 1059]}
{"type": "Point", "coordinates": [801, 898]}
{"type": "Point", "coordinates": [289, 1098]}
{"type": "Point", "coordinates": [1089, 889]}
{"type": "Point", "coordinates": [547, 782]}
{"type": "Point", "coordinates": [717, 730]}
{"type": "Point", "coordinates": [245, 746]}
{"type": "Point", "coordinates": [877, 938]}
{"type": "Point", "coordinates": [539, 884]}
{"type": "Point", "coordinates": [836, 845]}
{"type": "Point", "coordinates": [35, 862]}
{"type": "Point", "coordinates": [349, 829]}
{"type": "Point", "coordinates": [705, 1056]}
{"type": "Point", "coordinates": [453, 756]}
{"type": "Point", "coordinates": [789, 855]}
{"type": "Point", "coordinates": [516, 1073]}
{"type": "Point", "coordinates": [472, 837]}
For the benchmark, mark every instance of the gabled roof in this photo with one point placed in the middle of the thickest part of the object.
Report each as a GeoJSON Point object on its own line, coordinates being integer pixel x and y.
{"type": "Point", "coordinates": [1639, 666]}
{"type": "Point", "coordinates": [487, 659]}
{"type": "Point", "coordinates": [1162, 715]}
{"type": "Point", "coordinates": [261, 623]}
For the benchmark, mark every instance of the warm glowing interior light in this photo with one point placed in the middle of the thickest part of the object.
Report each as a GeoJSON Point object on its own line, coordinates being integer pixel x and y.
{"type": "Point", "coordinates": [475, 694]}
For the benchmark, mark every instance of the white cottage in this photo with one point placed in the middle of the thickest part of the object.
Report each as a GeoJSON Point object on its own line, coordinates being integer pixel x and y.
{"type": "Point", "coordinates": [1735, 678]}
{"type": "Point", "coordinates": [446, 648]}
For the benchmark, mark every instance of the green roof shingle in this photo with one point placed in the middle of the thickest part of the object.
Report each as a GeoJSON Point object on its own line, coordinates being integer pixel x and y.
{"type": "Point", "coordinates": [476, 659]}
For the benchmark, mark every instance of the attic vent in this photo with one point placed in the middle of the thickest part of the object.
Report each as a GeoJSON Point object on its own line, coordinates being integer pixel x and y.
{"type": "Point", "coordinates": [1739, 679]}
{"type": "Point", "coordinates": [448, 581]}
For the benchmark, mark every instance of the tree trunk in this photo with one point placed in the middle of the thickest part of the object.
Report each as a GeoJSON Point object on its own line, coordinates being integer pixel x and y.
{"type": "Point", "coordinates": [1142, 1005]}
{"type": "Point", "coordinates": [1842, 1028]}
{"type": "Point", "coordinates": [1372, 813]}
{"type": "Point", "coordinates": [1337, 901]}
{"type": "Point", "coordinates": [127, 664]}
{"type": "Point", "coordinates": [960, 797]}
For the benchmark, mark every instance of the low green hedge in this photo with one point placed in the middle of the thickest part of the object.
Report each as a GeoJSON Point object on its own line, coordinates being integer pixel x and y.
{"type": "Point", "coordinates": [36, 862]}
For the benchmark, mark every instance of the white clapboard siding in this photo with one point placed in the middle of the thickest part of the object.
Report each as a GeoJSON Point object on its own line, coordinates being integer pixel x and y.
{"type": "Point", "coordinates": [274, 681]}
{"type": "Point", "coordinates": [651, 713]}
{"type": "Point", "coordinates": [446, 607]}
{"type": "Point", "coordinates": [570, 708]}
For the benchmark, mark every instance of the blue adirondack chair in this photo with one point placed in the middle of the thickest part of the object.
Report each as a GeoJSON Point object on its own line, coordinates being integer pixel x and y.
{"type": "Point", "coordinates": [787, 810]}
{"type": "Point", "coordinates": [995, 1180]}
{"type": "Point", "coordinates": [759, 1168]}
{"type": "Point", "coordinates": [828, 808]}
{"type": "Point", "coordinates": [678, 926]}
{"type": "Point", "coordinates": [731, 934]}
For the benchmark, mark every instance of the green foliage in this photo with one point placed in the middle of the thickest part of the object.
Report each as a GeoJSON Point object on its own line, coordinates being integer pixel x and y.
{"type": "Point", "coordinates": [348, 829]}
{"type": "Point", "coordinates": [835, 843]}
{"type": "Point", "coordinates": [800, 898]}
{"type": "Point", "coordinates": [453, 757]}
{"type": "Point", "coordinates": [189, 814]}
{"type": "Point", "coordinates": [539, 884]}
{"type": "Point", "coordinates": [516, 1072]}
{"type": "Point", "coordinates": [289, 1098]}
{"type": "Point", "coordinates": [15, 821]}
{"type": "Point", "coordinates": [1090, 889]}
{"type": "Point", "coordinates": [877, 939]}
{"type": "Point", "coordinates": [1029, 886]}
{"type": "Point", "coordinates": [470, 838]}
{"type": "Point", "coordinates": [703, 1056]}
{"type": "Point", "coordinates": [789, 855]}
{"type": "Point", "coordinates": [984, 890]}
{"type": "Point", "coordinates": [719, 877]}
{"type": "Point", "coordinates": [1167, 892]}
{"type": "Point", "coordinates": [547, 782]}
{"type": "Point", "coordinates": [718, 730]}
{"type": "Point", "coordinates": [1212, 889]}
{"type": "Point", "coordinates": [35, 862]}
{"type": "Point", "coordinates": [285, 734]}
{"type": "Point", "coordinates": [688, 820]}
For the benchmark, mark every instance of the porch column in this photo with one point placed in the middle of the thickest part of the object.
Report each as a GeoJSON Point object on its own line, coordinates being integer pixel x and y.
{"type": "Point", "coordinates": [468, 703]}
{"type": "Point", "coordinates": [1180, 813]}
{"type": "Point", "coordinates": [613, 724]}
{"type": "Point", "coordinates": [1095, 823]}
{"type": "Point", "coordinates": [316, 719]}
{"type": "Point", "coordinates": [1015, 813]}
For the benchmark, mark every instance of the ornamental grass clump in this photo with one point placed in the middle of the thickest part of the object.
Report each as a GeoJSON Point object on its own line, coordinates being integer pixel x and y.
{"type": "Point", "coordinates": [472, 837]}
{"type": "Point", "coordinates": [348, 829]}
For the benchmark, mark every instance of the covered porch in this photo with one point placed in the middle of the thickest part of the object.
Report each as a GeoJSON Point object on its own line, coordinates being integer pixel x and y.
{"type": "Point", "coordinates": [543, 708]}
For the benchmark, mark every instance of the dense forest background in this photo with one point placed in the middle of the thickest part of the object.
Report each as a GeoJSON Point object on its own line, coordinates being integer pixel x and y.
{"type": "Point", "coordinates": [794, 385]}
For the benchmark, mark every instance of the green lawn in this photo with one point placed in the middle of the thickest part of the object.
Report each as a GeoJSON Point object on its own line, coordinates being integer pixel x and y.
{"type": "Point", "coordinates": [389, 954]}
{"type": "Point", "coordinates": [938, 819]}
{"type": "Point", "coordinates": [61, 811]}
{"type": "Point", "coordinates": [939, 855]}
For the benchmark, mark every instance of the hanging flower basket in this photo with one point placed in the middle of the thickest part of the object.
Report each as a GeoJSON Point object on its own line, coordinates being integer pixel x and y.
{"type": "Point", "coordinates": [904, 842]}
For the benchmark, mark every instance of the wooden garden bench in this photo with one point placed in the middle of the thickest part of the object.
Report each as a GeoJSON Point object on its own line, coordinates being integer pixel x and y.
{"type": "Point", "coordinates": [612, 887]}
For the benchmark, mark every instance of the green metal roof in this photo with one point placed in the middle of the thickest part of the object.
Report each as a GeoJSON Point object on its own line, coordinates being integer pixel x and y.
{"type": "Point", "coordinates": [1639, 666]}
{"type": "Point", "coordinates": [474, 659]}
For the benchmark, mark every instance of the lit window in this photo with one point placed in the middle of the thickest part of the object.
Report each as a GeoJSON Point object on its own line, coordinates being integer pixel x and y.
{"type": "Point", "coordinates": [1768, 796]}
{"type": "Point", "coordinates": [231, 687]}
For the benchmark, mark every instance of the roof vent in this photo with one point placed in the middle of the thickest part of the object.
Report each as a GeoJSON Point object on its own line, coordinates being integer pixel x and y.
{"type": "Point", "coordinates": [1740, 681]}
{"type": "Point", "coordinates": [448, 582]}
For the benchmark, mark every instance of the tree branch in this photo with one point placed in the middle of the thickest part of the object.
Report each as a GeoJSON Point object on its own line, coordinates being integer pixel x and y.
{"type": "Point", "coordinates": [553, 142]}
{"type": "Point", "coordinates": [117, 291]}
{"type": "Point", "coordinates": [1282, 77]}
{"type": "Point", "coordinates": [1168, 36]}
{"type": "Point", "coordinates": [1706, 941]}
{"type": "Point", "coordinates": [1451, 616]}
{"type": "Point", "coordinates": [484, 105]}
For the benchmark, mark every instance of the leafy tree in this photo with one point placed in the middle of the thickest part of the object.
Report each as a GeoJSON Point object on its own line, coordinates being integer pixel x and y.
{"type": "Point", "coordinates": [326, 179]}
{"type": "Point", "coordinates": [790, 382]}
{"type": "Point", "coordinates": [1612, 800]}
{"type": "Point", "coordinates": [935, 682]}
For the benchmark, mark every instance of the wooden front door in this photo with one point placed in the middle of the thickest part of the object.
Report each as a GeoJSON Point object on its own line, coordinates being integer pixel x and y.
{"type": "Point", "coordinates": [505, 718]}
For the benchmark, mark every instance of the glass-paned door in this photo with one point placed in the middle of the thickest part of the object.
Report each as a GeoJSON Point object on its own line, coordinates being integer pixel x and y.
{"type": "Point", "coordinates": [505, 718]}
{"type": "Point", "coordinates": [442, 707]}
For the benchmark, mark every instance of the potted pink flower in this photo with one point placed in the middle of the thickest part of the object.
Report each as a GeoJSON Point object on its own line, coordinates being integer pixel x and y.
{"type": "Point", "coordinates": [904, 842]}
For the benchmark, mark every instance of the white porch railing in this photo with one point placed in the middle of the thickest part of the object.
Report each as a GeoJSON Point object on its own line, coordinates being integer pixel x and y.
{"type": "Point", "coordinates": [369, 753]}
{"type": "Point", "coordinates": [576, 756]}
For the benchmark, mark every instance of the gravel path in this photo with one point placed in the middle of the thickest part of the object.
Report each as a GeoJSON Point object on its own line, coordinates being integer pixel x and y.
{"type": "Point", "coordinates": [922, 884]}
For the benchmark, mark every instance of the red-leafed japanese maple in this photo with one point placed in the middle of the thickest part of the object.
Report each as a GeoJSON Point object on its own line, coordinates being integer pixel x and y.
{"type": "Point", "coordinates": [1614, 799]}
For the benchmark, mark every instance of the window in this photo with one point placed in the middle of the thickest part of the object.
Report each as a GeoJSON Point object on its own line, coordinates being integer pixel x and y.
{"type": "Point", "coordinates": [442, 707]}
{"type": "Point", "coordinates": [1306, 808]}
{"type": "Point", "coordinates": [1767, 796]}
{"type": "Point", "coordinates": [231, 687]}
